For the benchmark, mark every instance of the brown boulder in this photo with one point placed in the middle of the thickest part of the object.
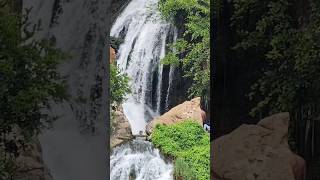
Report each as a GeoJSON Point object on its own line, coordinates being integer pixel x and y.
{"type": "Point", "coordinates": [121, 130]}
{"type": "Point", "coordinates": [256, 152]}
{"type": "Point", "coordinates": [112, 55]}
{"type": "Point", "coordinates": [187, 110]}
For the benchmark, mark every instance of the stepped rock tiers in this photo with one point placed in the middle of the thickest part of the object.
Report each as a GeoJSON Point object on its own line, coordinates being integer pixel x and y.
{"type": "Point", "coordinates": [122, 130]}
{"type": "Point", "coordinates": [187, 110]}
{"type": "Point", "coordinates": [259, 152]}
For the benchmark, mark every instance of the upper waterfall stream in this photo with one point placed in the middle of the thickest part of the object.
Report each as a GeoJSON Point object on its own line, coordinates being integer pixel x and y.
{"type": "Point", "coordinates": [145, 37]}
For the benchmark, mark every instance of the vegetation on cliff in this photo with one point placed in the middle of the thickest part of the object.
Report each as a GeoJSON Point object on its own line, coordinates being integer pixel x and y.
{"type": "Point", "coordinates": [192, 50]}
{"type": "Point", "coordinates": [189, 144]}
{"type": "Point", "coordinates": [186, 141]}
{"type": "Point", "coordinates": [28, 81]}
{"type": "Point", "coordinates": [119, 85]}
{"type": "Point", "coordinates": [119, 88]}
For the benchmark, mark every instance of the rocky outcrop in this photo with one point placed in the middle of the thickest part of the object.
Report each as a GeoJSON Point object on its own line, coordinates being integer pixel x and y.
{"type": "Point", "coordinates": [257, 152]}
{"type": "Point", "coordinates": [187, 110]}
{"type": "Point", "coordinates": [25, 157]}
{"type": "Point", "coordinates": [112, 55]}
{"type": "Point", "coordinates": [121, 130]}
{"type": "Point", "coordinates": [30, 164]}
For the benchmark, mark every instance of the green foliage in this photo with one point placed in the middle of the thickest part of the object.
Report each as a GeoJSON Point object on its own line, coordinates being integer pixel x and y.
{"type": "Point", "coordinates": [193, 49]}
{"type": "Point", "coordinates": [119, 88]}
{"type": "Point", "coordinates": [198, 159]}
{"type": "Point", "coordinates": [119, 85]}
{"type": "Point", "coordinates": [189, 144]}
{"type": "Point", "coordinates": [288, 47]}
{"type": "Point", "coordinates": [182, 170]}
{"type": "Point", "coordinates": [28, 81]}
{"type": "Point", "coordinates": [28, 77]}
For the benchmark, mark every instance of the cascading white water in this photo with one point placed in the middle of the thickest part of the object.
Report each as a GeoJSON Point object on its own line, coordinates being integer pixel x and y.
{"type": "Point", "coordinates": [140, 160]}
{"type": "Point", "coordinates": [145, 36]}
{"type": "Point", "coordinates": [171, 74]}
{"type": "Point", "coordinates": [139, 57]}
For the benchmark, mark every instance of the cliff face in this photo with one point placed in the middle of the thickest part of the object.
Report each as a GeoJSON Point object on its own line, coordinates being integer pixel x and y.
{"type": "Point", "coordinates": [30, 163]}
{"type": "Point", "coordinates": [78, 138]}
{"type": "Point", "coordinates": [121, 130]}
{"type": "Point", "coordinates": [23, 159]}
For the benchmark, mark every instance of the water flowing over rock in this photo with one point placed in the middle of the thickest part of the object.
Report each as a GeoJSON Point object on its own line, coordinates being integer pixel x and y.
{"type": "Point", "coordinates": [257, 152]}
{"type": "Point", "coordinates": [140, 161]}
{"type": "Point", "coordinates": [77, 138]}
{"type": "Point", "coordinates": [145, 37]}
{"type": "Point", "coordinates": [187, 110]}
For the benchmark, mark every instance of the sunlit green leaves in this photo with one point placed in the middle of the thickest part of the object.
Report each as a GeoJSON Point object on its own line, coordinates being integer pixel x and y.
{"type": "Point", "coordinates": [188, 143]}
{"type": "Point", "coordinates": [193, 53]}
{"type": "Point", "coordinates": [119, 85]}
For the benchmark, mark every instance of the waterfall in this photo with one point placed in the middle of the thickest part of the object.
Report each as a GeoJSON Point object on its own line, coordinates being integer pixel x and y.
{"type": "Point", "coordinates": [74, 149]}
{"type": "Point", "coordinates": [171, 74]}
{"type": "Point", "coordinates": [141, 159]}
{"type": "Point", "coordinates": [145, 37]}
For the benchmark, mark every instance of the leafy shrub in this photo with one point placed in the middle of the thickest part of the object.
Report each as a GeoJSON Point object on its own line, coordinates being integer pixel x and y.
{"type": "Point", "coordinates": [192, 50]}
{"type": "Point", "coordinates": [182, 170]}
{"type": "Point", "coordinates": [119, 85]}
{"type": "Point", "coordinates": [188, 143]}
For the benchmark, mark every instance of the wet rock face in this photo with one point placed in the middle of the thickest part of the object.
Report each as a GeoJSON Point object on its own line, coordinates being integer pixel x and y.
{"type": "Point", "coordinates": [257, 152]}
{"type": "Point", "coordinates": [187, 110]}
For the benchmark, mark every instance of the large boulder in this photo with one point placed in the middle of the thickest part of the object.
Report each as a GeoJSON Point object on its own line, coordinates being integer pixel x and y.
{"type": "Point", "coordinates": [257, 152]}
{"type": "Point", "coordinates": [121, 130]}
{"type": "Point", "coordinates": [187, 110]}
